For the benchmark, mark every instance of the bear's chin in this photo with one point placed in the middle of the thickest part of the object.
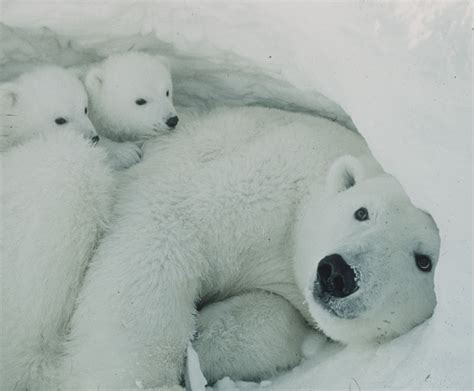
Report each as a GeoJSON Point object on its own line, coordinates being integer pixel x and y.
{"type": "Point", "coordinates": [345, 308]}
{"type": "Point", "coordinates": [350, 322]}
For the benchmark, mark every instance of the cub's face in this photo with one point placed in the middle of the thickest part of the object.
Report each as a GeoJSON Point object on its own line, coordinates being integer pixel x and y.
{"type": "Point", "coordinates": [365, 257]}
{"type": "Point", "coordinates": [132, 97]}
{"type": "Point", "coordinates": [45, 100]}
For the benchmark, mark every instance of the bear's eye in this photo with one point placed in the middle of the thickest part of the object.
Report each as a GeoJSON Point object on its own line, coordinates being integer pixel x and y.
{"type": "Point", "coordinates": [167, 92]}
{"type": "Point", "coordinates": [140, 102]}
{"type": "Point", "coordinates": [361, 214]}
{"type": "Point", "coordinates": [423, 262]}
{"type": "Point", "coordinates": [85, 110]}
{"type": "Point", "coordinates": [60, 121]}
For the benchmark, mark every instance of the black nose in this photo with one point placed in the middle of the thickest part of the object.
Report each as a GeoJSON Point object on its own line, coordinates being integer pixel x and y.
{"type": "Point", "coordinates": [336, 277]}
{"type": "Point", "coordinates": [95, 140]}
{"type": "Point", "coordinates": [172, 122]}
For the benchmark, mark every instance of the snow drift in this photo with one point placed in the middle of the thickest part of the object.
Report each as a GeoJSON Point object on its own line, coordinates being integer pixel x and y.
{"type": "Point", "coordinates": [400, 72]}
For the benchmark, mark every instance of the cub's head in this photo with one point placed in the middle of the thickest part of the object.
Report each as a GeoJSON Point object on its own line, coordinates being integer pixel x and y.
{"type": "Point", "coordinates": [47, 99]}
{"type": "Point", "coordinates": [366, 257]}
{"type": "Point", "coordinates": [131, 97]}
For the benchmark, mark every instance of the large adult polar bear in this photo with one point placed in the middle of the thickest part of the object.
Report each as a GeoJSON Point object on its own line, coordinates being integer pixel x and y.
{"type": "Point", "coordinates": [270, 220]}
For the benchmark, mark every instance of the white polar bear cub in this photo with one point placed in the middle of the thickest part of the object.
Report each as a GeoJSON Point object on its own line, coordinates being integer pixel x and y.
{"type": "Point", "coordinates": [56, 200]}
{"type": "Point", "coordinates": [295, 223]}
{"type": "Point", "coordinates": [45, 100]}
{"type": "Point", "coordinates": [131, 101]}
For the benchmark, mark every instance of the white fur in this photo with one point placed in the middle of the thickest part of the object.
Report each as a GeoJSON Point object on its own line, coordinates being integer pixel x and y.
{"type": "Point", "coordinates": [121, 155]}
{"type": "Point", "coordinates": [55, 199]}
{"type": "Point", "coordinates": [242, 335]}
{"type": "Point", "coordinates": [221, 220]}
{"type": "Point", "coordinates": [30, 105]}
{"type": "Point", "coordinates": [114, 86]}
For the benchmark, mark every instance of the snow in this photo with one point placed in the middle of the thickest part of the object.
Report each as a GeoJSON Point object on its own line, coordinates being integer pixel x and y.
{"type": "Point", "coordinates": [195, 380]}
{"type": "Point", "coordinates": [401, 70]}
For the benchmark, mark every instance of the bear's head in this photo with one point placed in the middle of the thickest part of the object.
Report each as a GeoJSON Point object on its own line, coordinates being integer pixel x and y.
{"type": "Point", "coordinates": [365, 256]}
{"type": "Point", "coordinates": [47, 99]}
{"type": "Point", "coordinates": [131, 97]}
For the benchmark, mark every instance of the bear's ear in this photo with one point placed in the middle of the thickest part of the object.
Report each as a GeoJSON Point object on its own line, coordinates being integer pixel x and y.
{"type": "Point", "coordinates": [8, 95]}
{"type": "Point", "coordinates": [94, 79]}
{"type": "Point", "coordinates": [344, 173]}
{"type": "Point", "coordinates": [78, 71]}
{"type": "Point", "coordinates": [165, 61]}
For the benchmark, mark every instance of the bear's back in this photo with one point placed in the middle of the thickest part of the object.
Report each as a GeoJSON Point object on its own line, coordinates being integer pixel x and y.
{"type": "Point", "coordinates": [238, 175]}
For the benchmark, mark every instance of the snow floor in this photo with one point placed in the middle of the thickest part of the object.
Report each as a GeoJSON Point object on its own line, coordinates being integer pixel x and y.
{"type": "Point", "coordinates": [401, 70]}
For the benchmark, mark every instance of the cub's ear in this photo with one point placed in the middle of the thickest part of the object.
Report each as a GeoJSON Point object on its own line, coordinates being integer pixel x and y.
{"type": "Point", "coordinates": [78, 71]}
{"type": "Point", "coordinates": [8, 95]}
{"type": "Point", "coordinates": [344, 173]}
{"type": "Point", "coordinates": [165, 61]}
{"type": "Point", "coordinates": [94, 79]}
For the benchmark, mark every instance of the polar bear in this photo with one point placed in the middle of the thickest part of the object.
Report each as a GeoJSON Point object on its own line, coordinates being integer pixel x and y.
{"type": "Point", "coordinates": [276, 221]}
{"type": "Point", "coordinates": [47, 99]}
{"type": "Point", "coordinates": [56, 199]}
{"type": "Point", "coordinates": [131, 101]}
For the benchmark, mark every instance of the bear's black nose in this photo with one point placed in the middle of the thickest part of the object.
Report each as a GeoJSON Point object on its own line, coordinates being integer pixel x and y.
{"type": "Point", "coordinates": [172, 122]}
{"type": "Point", "coordinates": [336, 277]}
{"type": "Point", "coordinates": [95, 140]}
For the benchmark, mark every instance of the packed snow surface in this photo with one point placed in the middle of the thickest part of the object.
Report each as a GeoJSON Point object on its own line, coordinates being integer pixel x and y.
{"type": "Point", "coordinates": [401, 70]}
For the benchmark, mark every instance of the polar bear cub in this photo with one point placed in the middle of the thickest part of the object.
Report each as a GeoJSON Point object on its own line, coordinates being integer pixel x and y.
{"type": "Point", "coordinates": [57, 197]}
{"type": "Point", "coordinates": [45, 100]}
{"type": "Point", "coordinates": [130, 102]}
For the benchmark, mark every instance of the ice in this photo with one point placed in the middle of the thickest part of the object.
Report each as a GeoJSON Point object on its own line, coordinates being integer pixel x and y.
{"type": "Point", "coordinates": [401, 70]}
{"type": "Point", "coordinates": [194, 378]}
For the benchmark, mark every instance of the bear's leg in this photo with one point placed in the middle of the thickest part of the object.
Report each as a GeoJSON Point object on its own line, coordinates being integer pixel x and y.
{"type": "Point", "coordinates": [120, 155]}
{"type": "Point", "coordinates": [249, 337]}
{"type": "Point", "coordinates": [135, 313]}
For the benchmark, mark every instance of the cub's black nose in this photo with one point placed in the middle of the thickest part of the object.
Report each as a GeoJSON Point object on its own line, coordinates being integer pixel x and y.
{"type": "Point", "coordinates": [336, 277]}
{"type": "Point", "coordinates": [172, 122]}
{"type": "Point", "coordinates": [95, 140]}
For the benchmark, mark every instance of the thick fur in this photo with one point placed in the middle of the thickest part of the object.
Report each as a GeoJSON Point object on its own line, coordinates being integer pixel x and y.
{"type": "Point", "coordinates": [114, 86]}
{"type": "Point", "coordinates": [241, 335]}
{"type": "Point", "coordinates": [30, 104]}
{"type": "Point", "coordinates": [260, 198]}
{"type": "Point", "coordinates": [56, 197]}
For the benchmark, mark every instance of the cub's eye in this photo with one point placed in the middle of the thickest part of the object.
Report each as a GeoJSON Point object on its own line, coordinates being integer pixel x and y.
{"type": "Point", "coordinates": [85, 110]}
{"type": "Point", "coordinates": [423, 262]}
{"type": "Point", "coordinates": [140, 102]}
{"type": "Point", "coordinates": [361, 214]}
{"type": "Point", "coordinates": [60, 121]}
{"type": "Point", "coordinates": [167, 92]}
